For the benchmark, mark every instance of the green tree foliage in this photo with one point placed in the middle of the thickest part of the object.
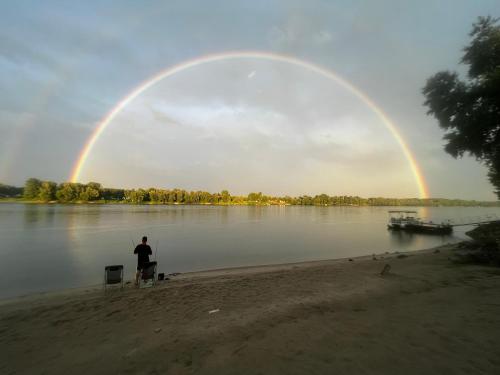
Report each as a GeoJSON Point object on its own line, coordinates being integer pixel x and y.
{"type": "Point", "coordinates": [90, 192]}
{"type": "Point", "coordinates": [68, 192]}
{"type": "Point", "coordinates": [113, 194]}
{"type": "Point", "coordinates": [321, 200]}
{"type": "Point", "coordinates": [469, 110]}
{"type": "Point", "coordinates": [8, 191]}
{"type": "Point", "coordinates": [32, 188]}
{"type": "Point", "coordinates": [225, 196]}
{"type": "Point", "coordinates": [136, 196]}
{"type": "Point", "coordinates": [47, 191]}
{"type": "Point", "coordinates": [255, 198]}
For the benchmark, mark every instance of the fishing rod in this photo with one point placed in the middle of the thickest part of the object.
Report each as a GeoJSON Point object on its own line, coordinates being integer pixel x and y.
{"type": "Point", "coordinates": [156, 249]}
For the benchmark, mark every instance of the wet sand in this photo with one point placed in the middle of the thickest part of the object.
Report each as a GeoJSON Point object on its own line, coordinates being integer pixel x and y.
{"type": "Point", "coordinates": [426, 316]}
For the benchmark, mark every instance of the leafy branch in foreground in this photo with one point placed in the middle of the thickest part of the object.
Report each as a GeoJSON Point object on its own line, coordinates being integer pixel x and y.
{"type": "Point", "coordinates": [469, 111]}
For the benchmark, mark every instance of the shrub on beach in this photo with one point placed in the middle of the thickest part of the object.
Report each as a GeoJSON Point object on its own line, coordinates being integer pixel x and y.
{"type": "Point", "coordinates": [484, 247]}
{"type": "Point", "coordinates": [486, 232]}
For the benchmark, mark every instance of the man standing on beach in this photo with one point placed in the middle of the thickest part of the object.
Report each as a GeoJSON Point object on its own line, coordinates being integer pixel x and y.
{"type": "Point", "coordinates": [143, 252]}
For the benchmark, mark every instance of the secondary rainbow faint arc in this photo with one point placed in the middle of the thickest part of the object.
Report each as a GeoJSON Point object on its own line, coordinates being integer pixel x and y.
{"type": "Point", "coordinates": [170, 71]}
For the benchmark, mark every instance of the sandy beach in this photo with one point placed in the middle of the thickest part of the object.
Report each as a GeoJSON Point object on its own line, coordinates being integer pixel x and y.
{"type": "Point", "coordinates": [427, 315]}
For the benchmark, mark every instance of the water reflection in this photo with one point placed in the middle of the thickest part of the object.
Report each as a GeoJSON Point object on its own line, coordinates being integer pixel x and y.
{"type": "Point", "coordinates": [34, 215]}
{"type": "Point", "coordinates": [255, 213]}
{"type": "Point", "coordinates": [406, 240]}
{"type": "Point", "coordinates": [401, 238]}
{"type": "Point", "coordinates": [31, 236]}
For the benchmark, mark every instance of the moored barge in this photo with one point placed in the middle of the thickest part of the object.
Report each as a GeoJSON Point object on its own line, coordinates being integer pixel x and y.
{"type": "Point", "coordinates": [407, 221]}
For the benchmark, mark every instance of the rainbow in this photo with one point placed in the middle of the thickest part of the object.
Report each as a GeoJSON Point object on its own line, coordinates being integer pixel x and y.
{"type": "Point", "coordinates": [170, 71]}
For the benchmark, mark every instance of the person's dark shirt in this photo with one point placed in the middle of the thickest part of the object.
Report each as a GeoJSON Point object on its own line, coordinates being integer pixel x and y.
{"type": "Point", "coordinates": [143, 252]}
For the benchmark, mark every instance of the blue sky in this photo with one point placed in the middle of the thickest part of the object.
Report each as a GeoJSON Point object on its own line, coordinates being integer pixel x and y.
{"type": "Point", "coordinates": [244, 125]}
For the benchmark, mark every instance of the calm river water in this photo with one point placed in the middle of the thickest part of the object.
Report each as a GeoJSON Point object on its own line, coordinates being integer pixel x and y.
{"type": "Point", "coordinates": [51, 247]}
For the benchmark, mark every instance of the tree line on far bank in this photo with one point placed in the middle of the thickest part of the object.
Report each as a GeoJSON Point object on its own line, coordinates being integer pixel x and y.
{"type": "Point", "coordinates": [93, 192]}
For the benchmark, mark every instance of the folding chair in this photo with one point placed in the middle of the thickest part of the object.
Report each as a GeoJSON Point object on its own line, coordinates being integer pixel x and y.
{"type": "Point", "coordinates": [113, 275]}
{"type": "Point", "coordinates": [148, 273]}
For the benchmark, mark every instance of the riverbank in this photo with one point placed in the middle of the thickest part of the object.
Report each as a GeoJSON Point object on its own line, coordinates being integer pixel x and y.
{"type": "Point", "coordinates": [427, 315]}
{"type": "Point", "coordinates": [388, 202]}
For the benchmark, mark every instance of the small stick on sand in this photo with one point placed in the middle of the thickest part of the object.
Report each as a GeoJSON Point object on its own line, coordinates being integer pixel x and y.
{"type": "Point", "coordinates": [385, 270]}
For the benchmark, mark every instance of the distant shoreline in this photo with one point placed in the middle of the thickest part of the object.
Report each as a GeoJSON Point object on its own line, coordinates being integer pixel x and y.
{"type": "Point", "coordinates": [40, 191]}
{"type": "Point", "coordinates": [260, 204]}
